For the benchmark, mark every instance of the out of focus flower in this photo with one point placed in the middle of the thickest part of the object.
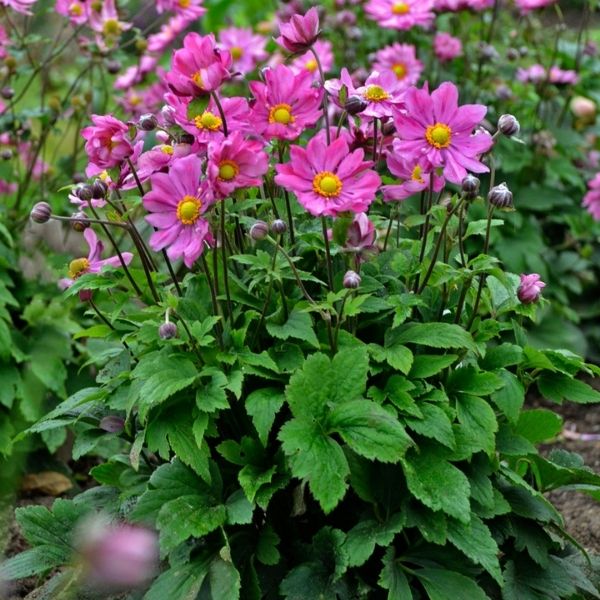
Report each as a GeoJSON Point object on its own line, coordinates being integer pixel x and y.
{"type": "Point", "coordinates": [560, 76]}
{"type": "Point", "coordinates": [21, 6]}
{"type": "Point", "coordinates": [176, 203]}
{"type": "Point", "coordinates": [76, 10]}
{"type": "Point", "coordinates": [392, 14]}
{"type": "Point", "coordinates": [286, 104]}
{"type": "Point", "coordinates": [533, 74]}
{"type": "Point", "coordinates": [189, 9]}
{"type": "Point", "coordinates": [526, 6]}
{"type": "Point", "coordinates": [107, 144]}
{"type": "Point", "coordinates": [93, 263]}
{"type": "Point", "coordinates": [436, 132]}
{"type": "Point", "coordinates": [530, 288]}
{"type": "Point", "coordinates": [591, 200]}
{"type": "Point", "coordinates": [307, 61]}
{"type": "Point", "coordinates": [351, 280]}
{"type": "Point", "coordinates": [402, 60]}
{"type": "Point", "coordinates": [583, 108]}
{"type": "Point", "coordinates": [247, 49]}
{"type": "Point", "coordinates": [446, 46]}
{"type": "Point", "coordinates": [159, 41]}
{"type": "Point", "coordinates": [106, 23]}
{"type": "Point", "coordinates": [456, 5]}
{"type": "Point", "coordinates": [300, 33]}
{"type": "Point", "coordinates": [329, 180]}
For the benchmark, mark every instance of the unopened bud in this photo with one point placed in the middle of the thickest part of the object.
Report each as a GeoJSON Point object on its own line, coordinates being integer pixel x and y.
{"type": "Point", "coordinates": [259, 230]}
{"type": "Point", "coordinates": [355, 105]}
{"type": "Point", "coordinates": [10, 62]}
{"type": "Point", "coordinates": [99, 189]}
{"type": "Point", "coordinates": [186, 138]}
{"type": "Point", "coordinates": [79, 222]}
{"type": "Point", "coordinates": [84, 192]}
{"type": "Point", "coordinates": [112, 424]}
{"type": "Point", "coordinates": [278, 226]}
{"type": "Point", "coordinates": [113, 66]}
{"type": "Point", "coordinates": [167, 114]}
{"type": "Point", "coordinates": [79, 177]}
{"type": "Point", "coordinates": [501, 197]}
{"type": "Point", "coordinates": [512, 54]}
{"type": "Point", "coordinates": [508, 125]}
{"type": "Point", "coordinates": [41, 212]}
{"type": "Point", "coordinates": [6, 154]}
{"type": "Point", "coordinates": [85, 295]}
{"type": "Point", "coordinates": [7, 92]}
{"type": "Point", "coordinates": [167, 331]}
{"type": "Point", "coordinates": [388, 128]}
{"type": "Point", "coordinates": [351, 280]}
{"type": "Point", "coordinates": [470, 186]}
{"type": "Point", "coordinates": [148, 122]}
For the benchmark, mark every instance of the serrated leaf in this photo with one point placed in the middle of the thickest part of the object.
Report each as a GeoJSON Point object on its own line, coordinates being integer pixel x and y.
{"type": "Point", "coordinates": [478, 422]}
{"type": "Point", "coordinates": [427, 365]}
{"type": "Point", "coordinates": [299, 326]}
{"type": "Point", "coordinates": [435, 424]}
{"type": "Point", "coordinates": [262, 406]}
{"type": "Point", "coordinates": [558, 387]}
{"type": "Point", "coordinates": [510, 398]}
{"type": "Point", "coordinates": [393, 579]}
{"type": "Point", "coordinates": [434, 335]}
{"type": "Point", "coordinates": [539, 425]}
{"type": "Point", "coordinates": [399, 357]}
{"type": "Point", "coordinates": [441, 584]}
{"type": "Point", "coordinates": [363, 537]}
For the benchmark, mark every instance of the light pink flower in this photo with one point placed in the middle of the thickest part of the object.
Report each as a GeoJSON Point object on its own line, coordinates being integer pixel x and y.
{"type": "Point", "coordinates": [93, 263]}
{"type": "Point", "coordinates": [300, 33]}
{"type": "Point", "coordinates": [329, 180]}
{"type": "Point", "coordinates": [286, 104]}
{"type": "Point", "coordinates": [392, 14]}
{"type": "Point", "coordinates": [560, 76]}
{"type": "Point", "coordinates": [402, 60]}
{"type": "Point", "coordinates": [436, 132]}
{"type": "Point", "coordinates": [533, 74]}
{"type": "Point", "coordinates": [167, 34]}
{"type": "Point", "coordinates": [176, 203]}
{"type": "Point", "coordinates": [77, 11]}
{"type": "Point", "coordinates": [592, 199]}
{"type": "Point", "coordinates": [446, 46]}
{"type": "Point", "coordinates": [106, 24]}
{"type": "Point", "coordinates": [526, 6]}
{"type": "Point", "coordinates": [21, 6]}
{"type": "Point", "coordinates": [7, 187]}
{"type": "Point", "coordinates": [307, 61]}
{"type": "Point", "coordinates": [199, 66]}
{"type": "Point", "coordinates": [361, 237]}
{"type": "Point", "coordinates": [189, 9]}
{"type": "Point", "coordinates": [456, 5]}
{"type": "Point", "coordinates": [247, 49]}
{"type": "Point", "coordinates": [107, 143]}
{"type": "Point", "coordinates": [530, 288]}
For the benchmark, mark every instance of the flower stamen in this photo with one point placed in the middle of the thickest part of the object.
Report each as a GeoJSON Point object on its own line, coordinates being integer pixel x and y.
{"type": "Point", "coordinates": [417, 175]}
{"type": "Point", "coordinates": [188, 209]}
{"type": "Point", "coordinates": [400, 8]}
{"type": "Point", "coordinates": [208, 120]}
{"type": "Point", "coordinates": [282, 114]}
{"type": "Point", "coordinates": [400, 70]}
{"type": "Point", "coordinates": [228, 170]}
{"type": "Point", "coordinates": [78, 267]}
{"type": "Point", "coordinates": [375, 93]}
{"type": "Point", "coordinates": [327, 184]}
{"type": "Point", "coordinates": [439, 135]}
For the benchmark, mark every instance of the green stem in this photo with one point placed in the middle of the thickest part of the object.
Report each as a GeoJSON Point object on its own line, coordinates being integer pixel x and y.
{"type": "Point", "coordinates": [327, 254]}
{"type": "Point", "coordinates": [224, 262]}
{"type": "Point", "coordinates": [325, 99]}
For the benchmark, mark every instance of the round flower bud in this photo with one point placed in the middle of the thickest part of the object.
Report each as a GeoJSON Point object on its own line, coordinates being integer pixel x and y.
{"type": "Point", "coordinates": [259, 230]}
{"type": "Point", "coordinates": [508, 125]}
{"type": "Point", "coordinates": [351, 280]}
{"type": "Point", "coordinates": [278, 226]}
{"type": "Point", "coordinates": [148, 122]}
{"type": "Point", "coordinates": [388, 128]}
{"type": "Point", "coordinates": [512, 54]}
{"type": "Point", "coordinates": [113, 66]}
{"type": "Point", "coordinates": [7, 92]}
{"type": "Point", "coordinates": [79, 221]}
{"type": "Point", "coordinates": [79, 177]}
{"type": "Point", "coordinates": [470, 186]}
{"type": "Point", "coordinates": [112, 424]}
{"type": "Point", "coordinates": [355, 105]}
{"type": "Point", "coordinates": [6, 154]}
{"type": "Point", "coordinates": [84, 192]}
{"type": "Point", "coordinates": [99, 189]}
{"type": "Point", "coordinates": [167, 331]}
{"type": "Point", "coordinates": [41, 212]}
{"type": "Point", "coordinates": [501, 197]}
{"type": "Point", "coordinates": [583, 108]}
{"type": "Point", "coordinates": [530, 288]}
{"type": "Point", "coordinates": [85, 295]}
{"type": "Point", "coordinates": [167, 115]}
{"type": "Point", "coordinates": [186, 138]}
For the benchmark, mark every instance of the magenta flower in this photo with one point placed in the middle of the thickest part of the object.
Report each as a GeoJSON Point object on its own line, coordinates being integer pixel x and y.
{"type": "Point", "coordinates": [414, 177]}
{"type": "Point", "coordinates": [591, 200]}
{"type": "Point", "coordinates": [93, 263]}
{"type": "Point", "coordinates": [177, 202]}
{"type": "Point", "coordinates": [300, 33]}
{"type": "Point", "coordinates": [560, 76]}
{"type": "Point", "coordinates": [21, 6]}
{"type": "Point", "coordinates": [307, 61]}
{"type": "Point", "coordinates": [329, 180]}
{"type": "Point", "coordinates": [235, 163]}
{"type": "Point", "coordinates": [286, 104]}
{"type": "Point", "coordinates": [436, 132]}
{"type": "Point", "coordinates": [167, 34]}
{"type": "Point", "coordinates": [526, 6]}
{"type": "Point", "coordinates": [189, 9]}
{"type": "Point", "coordinates": [107, 143]}
{"type": "Point", "coordinates": [77, 11]}
{"type": "Point", "coordinates": [533, 74]}
{"type": "Point", "coordinates": [361, 237]}
{"type": "Point", "coordinates": [106, 23]}
{"type": "Point", "coordinates": [247, 49]}
{"type": "Point", "coordinates": [392, 14]}
{"type": "Point", "coordinates": [530, 288]}
{"type": "Point", "coordinates": [402, 60]}
{"type": "Point", "coordinates": [199, 66]}
{"type": "Point", "coordinates": [456, 5]}
{"type": "Point", "coordinates": [446, 47]}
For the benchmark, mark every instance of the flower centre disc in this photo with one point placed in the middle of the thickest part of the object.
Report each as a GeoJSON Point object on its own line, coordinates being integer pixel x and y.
{"type": "Point", "coordinates": [311, 65]}
{"type": "Point", "coordinates": [236, 53]}
{"type": "Point", "coordinates": [78, 267]}
{"type": "Point", "coordinates": [188, 210]}
{"type": "Point", "coordinates": [111, 27]}
{"type": "Point", "coordinates": [76, 9]}
{"type": "Point", "coordinates": [184, 3]}
{"type": "Point", "coordinates": [327, 184]}
{"type": "Point", "coordinates": [208, 120]}
{"type": "Point", "coordinates": [417, 174]}
{"type": "Point", "coordinates": [282, 114]}
{"type": "Point", "coordinates": [400, 70]}
{"type": "Point", "coordinates": [228, 170]}
{"type": "Point", "coordinates": [197, 78]}
{"type": "Point", "coordinates": [400, 8]}
{"type": "Point", "coordinates": [375, 93]}
{"type": "Point", "coordinates": [166, 149]}
{"type": "Point", "coordinates": [439, 135]}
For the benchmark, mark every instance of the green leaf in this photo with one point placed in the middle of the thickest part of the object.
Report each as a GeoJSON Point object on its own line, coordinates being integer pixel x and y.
{"type": "Point", "coordinates": [33, 562]}
{"type": "Point", "coordinates": [539, 425]}
{"type": "Point", "coordinates": [467, 380]}
{"type": "Point", "coordinates": [399, 357]}
{"type": "Point", "coordinates": [558, 387]}
{"type": "Point", "coordinates": [393, 579]}
{"type": "Point", "coordinates": [212, 396]}
{"type": "Point", "coordinates": [363, 537]}
{"type": "Point", "coordinates": [501, 356]}
{"type": "Point", "coordinates": [224, 578]}
{"type": "Point", "coordinates": [427, 365]}
{"type": "Point", "coordinates": [370, 430]}
{"type": "Point", "coordinates": [252, 478]}
{"type": "Point", "coordinates": [511, 397]}
{"type": "Point", "coordinates": [299, 326]}
{"type": "Point", "coordinates": [266, 547]}
{"type": "Point", "coordinates": [441, 584]}
{"type": "Point", "coordinates": [197, 106]}
{"type": "Point", "coordinates": [239, 509]}
{"type": "Point", "coordinates": [435, 335]}
{"type": "Point", "coordinates": [435, 424]}
{"type": "Point", "coordinates": [262, 406]}
{"type": "Point", "coordinates": [478, 422]}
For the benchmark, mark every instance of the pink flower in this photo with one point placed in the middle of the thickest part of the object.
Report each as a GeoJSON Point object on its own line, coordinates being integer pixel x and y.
{"type": "Point", "coordinates": [436, 132]}
{"type": "Point", "coordinates": [307, 61]}
{"type": "Point", "coordinates": [77, 11]}
{"type": "Point", "coordinates": [329, 180]}
{"type": "Point", "coordinates": [560, 76]}
{"type": "Point", "coordinates": [21, 6]}
{"type": "Point", "coordinates": [159, 41]}
{"type": "Point", "coordinates": [530, 288]}
{"type": "Point", "coordinates": [107, 144]}
{"type": "Point", "coordinates": [392, 14]}
{"type": "Point", "coordinates": [526, 6]}
{"type": "Point", "coordinates": [93, 263]}
{"type": "Point", "coordinates": [190, 9]}
{"type": "Point", "coordinates": [414, 178]}
{"type": "Point", "coordinates": [177, 201]}
{"type": "Point", "coordinates": [300, 33]}
{"type": "Point", "coordinates": [286, 104]}
{"type": "Point", "coordinates": [592, 199]}
{"type": "Point", "coordinates": [247, 49]}
{"type": "Point", "coordinates": [199, 66]}
{"type": "Point", "coordinates": [456, 5]}
{"type": "Point", "coordinates": [446, 46]}
{"type": "Point", "coordinates": [402, 60]}
{"type": "Point", "coordinates": [7, 187]}
{"type": "Point", "coordinates": [235, 163]}
{"type": "Point", "coordinates": [105, 22]}
{"type": "Point", "coordinates": [361, 237]}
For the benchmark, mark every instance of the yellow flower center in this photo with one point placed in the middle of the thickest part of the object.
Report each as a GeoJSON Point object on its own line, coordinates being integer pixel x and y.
{"type": "Point", "coordinates": [375, 93]}
{"type": "Point", "coordinates": [327, 184]}
{"type": "Point", "coordinates": [228, 170]}
{"type": "Point", "coordinates": [134, 99]}
{"type": "Point", "coordinates": [166, 149]}
{"type": "Point", "coordinates": [236, 53]}
{"type": "Point", "coordinates": [208, 120]}
{"type": "Point", "coordinates": [111, 27]}
{"type": "Point", "coordinates": [439, 135]}
{"type": "Point", "coordinates": [96, 5]}
{"type": "Point", "coordinates": [400, 8]}
{"type": "Point", "coordinates": [184, 3]}
{"type": "Point", "coordinates": [188, 210]}
{"type": "Point", "coordinates": [104, 176]}
{"type": "Point", "coordinates": [76, 9]}
{"type": "Point", "coordinates": [400, 70]}
{"type": "Point", "coordinates": [197, 78]}
{"type": "Point", "coordinates": [282, 114]}
{"type": "Point", "coordinates": [417, 174]}
{"type": "Point", "coordinates": [311, 65]}
{"type": "Point", "coordinates": [78, 267]}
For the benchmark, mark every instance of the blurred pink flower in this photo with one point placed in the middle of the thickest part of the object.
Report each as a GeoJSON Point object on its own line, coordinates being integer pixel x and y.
{"type": "Point", "coordinates": [107, 143]}
{"type": "Point", "coordinates": [307, 61]}
{"type": "Point", "coordinates": [392, 14]}
{"type": "Point", "coordinates": [591, 200]}
{"type": "Point", "coordinates": [446, 46]}
{"type": "Point", "coordinates": [530, 288]}
{"type": "Point", "coordinates": [190, 9]}
{"type": "Point", "coordinates": [247, 49]}
{"type": "Point", "coordinates": [300, 32]}
{"type": "Point", "coordinates": [21, 6]}
{"type": "Point", "coordinates": [526, 6]}
{"type": "Point", "coordinates": [402, 60]}
{"type": "Point", "coordinates": [77, 11]}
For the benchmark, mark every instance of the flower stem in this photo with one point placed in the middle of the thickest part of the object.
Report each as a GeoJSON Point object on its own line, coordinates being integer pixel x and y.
{"type": "Point", "coordinates": [325, 100]}
{"type": "Point", "coordinates": [327, 254]}
{"type": "Point", "coordinates": [286, 195]}
{"type": "Point", "coordinates": [224, 262]}
{"type": "Point", "coordinates": [215, 97]}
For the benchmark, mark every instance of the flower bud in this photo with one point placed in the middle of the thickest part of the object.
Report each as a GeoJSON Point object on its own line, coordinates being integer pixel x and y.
{"type": "Point", "coordinates": [259, 230]}
{"type": "Point", "coordinates": [113, 66]}
{"type": "Point", "coordinates": [355, 105]}
{"type": "Point", "coordinates": [470, 186]}
{"type": "Point", "coordinates": [186, 138]}
{"type": "Point", "coordinates": [388, 128]}
{"type": "Point", "coordinates": [148, 122]}
{"type": "Point", "coordinates": [583, 108]}
{"type": "Point", "coordinates": [530, 288]}
{"type": "Point", "coordinates": [112, 424]}
{"type": "Point", "coordinates": [508, 125]}
{"type": "Point", "coordinates": [501, 197]}
{"type": "Point", "coordinates": [512, 54]}
{"type": "Point", "coordinates": [79, 221]}
{"type": "Point", "coordinates": [351, 280]}
{"type": "Point", "coordinates": [7, 92]}
{"type": "Point", "coordinates": [167, 114]}
{"type": "Point", "coordinates": [167, 331]}
{"type": "Point", "coordinates": [85, 295]}
{"type": "Point", "coordinates": [41, 212]}
{"type": "Point", "coordinates": [79, 177]}
{"type": "Point", "coordinates": [6, 154]}
{"type": "Point", "coordinates": [99, 189]}
{"type": "Point", "coordinates": [84, 192]}
{"type": "Point", "coordinates": [278, 226]}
